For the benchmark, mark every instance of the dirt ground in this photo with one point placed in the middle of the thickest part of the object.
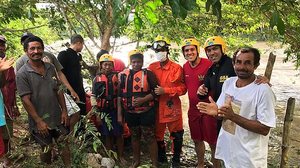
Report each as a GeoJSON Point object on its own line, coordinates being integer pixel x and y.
{"type": "Point", "coordinates": [285, 83]}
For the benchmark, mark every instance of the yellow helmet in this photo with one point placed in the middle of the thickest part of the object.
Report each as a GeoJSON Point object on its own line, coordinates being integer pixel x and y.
{"type": "Point", "coordinates": [163, 38]}
{"type": "Point", "coordinates": [191, 41]}
{"type": "Point", "coordinates": [133, 52]}
{"type": "Point", "coordinates": [216, 40]}
{"type": "Point", "coordinates": [106, 57]}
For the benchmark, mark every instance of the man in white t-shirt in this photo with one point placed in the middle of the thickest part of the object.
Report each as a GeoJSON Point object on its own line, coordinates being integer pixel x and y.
{"type": "Point", "coordinates": [249, 114]}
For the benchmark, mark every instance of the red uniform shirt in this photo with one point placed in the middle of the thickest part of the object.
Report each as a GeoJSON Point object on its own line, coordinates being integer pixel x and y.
{"type": "Point", "coordinates": [193, 77]}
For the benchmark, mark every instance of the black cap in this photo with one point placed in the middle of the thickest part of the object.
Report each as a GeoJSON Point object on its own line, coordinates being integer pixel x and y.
{"type": "Point", "coordinates": [25, 36]}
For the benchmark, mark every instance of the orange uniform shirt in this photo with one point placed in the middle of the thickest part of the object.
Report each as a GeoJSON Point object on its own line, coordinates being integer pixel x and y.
{"type": "Point", "coordinates": [170, 77]}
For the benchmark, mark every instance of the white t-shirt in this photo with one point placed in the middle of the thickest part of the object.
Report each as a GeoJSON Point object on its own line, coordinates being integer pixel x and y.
{"type": "Point", "coordinates": [236, 146]}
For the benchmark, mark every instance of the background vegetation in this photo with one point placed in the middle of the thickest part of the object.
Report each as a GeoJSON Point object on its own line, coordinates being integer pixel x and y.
{"type": "Point", "coordinates": [238, 21]}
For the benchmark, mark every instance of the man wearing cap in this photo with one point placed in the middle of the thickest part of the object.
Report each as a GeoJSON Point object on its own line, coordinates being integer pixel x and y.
{"type": "Point", "coordinates": [8, 89]}
{"type": "Point", "coordinates": [170, 87]}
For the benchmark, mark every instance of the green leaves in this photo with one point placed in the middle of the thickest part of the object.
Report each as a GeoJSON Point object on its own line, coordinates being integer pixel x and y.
{"type": "Point", "coordinates": [137, 21]}
{"type": "Point", "coordinates": [181, 7]}
{"type": "Point", "coordinates": [266, 6]}
{"type": "Point", "coordinates": [149, 10]}
{"type": "Point", "coordinates": [216, 7]}
{"type": "Point", "coordinates": [188, 4]}
{"type": "Point", "coordinates": [277, 21]}
{"type": "Point", "coordinates": [175, 7]}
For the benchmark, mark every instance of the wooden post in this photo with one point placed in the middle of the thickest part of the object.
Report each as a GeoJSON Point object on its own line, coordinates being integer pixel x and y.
{"type": "Point", "coordinates": [270, 65]}
{"type": "Point", "coordinates": [286, 132]}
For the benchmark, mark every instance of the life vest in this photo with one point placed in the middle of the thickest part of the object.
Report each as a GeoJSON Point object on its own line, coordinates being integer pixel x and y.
{"type": "Point", "coordinates": [106, 90]}
{"type": "Point", "coordinates": [135, 85]}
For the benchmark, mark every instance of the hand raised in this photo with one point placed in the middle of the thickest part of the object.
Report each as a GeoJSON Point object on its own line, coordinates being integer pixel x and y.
{"type": "Point", "coordinates": [208, 108]}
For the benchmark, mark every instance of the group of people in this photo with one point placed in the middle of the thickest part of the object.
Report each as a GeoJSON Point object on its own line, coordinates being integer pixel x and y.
{"type": "Point", "coordinates": [230, 107]}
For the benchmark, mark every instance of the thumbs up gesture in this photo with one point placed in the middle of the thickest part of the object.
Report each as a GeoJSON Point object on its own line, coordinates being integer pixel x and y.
{"type": "Point", "coordinates": [208, 108]}
{"type": "Point", "coordinates": [226, 110]}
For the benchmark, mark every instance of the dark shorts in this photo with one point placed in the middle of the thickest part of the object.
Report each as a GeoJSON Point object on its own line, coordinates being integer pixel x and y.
{"type": "Point", "coordinates": [204, 128]}
{"type": "Point", "coordinates": [53, 134]}
{"type": "Point", "coordinates": [140, 119]}
{"type": "Point", "coordinates": [112, 127]}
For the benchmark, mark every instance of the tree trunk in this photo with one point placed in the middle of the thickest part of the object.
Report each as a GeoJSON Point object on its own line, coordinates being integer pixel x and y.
{"type": "Point", "coordinates": [286, 132]}
{"type": "Point", "coordinates": [270, 65]}
{"type": "Point", "coordinates": [108, 27]}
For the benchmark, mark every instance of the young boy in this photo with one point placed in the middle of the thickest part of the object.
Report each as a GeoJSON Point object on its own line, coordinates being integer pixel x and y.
{"type": "Point", "coordinates": [104, 98]}
{"type": "Point", "coordinates": [136, 98]}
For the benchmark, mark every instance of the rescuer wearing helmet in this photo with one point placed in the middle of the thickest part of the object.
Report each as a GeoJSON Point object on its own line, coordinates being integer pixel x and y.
{"type": "Point", "coordinates": [136, 101]}
{"type": "Point", "coordinates": [222, 68]}
{"type": "Point", "coordinates": [104, 101]}
{"type": "Point", "coordinates": [202, 126]}
{"type": "Point", "coordinates": [171, 86]}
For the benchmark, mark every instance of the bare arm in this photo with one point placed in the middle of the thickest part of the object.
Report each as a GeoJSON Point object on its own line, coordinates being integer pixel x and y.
{"type": "Point", "coordinates": [62, 103]}
{"type": "Point", "coordinates": [41, 125]}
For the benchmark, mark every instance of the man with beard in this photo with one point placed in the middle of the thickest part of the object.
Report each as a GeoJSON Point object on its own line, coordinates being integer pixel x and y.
{"type": "Point", "coordinates": [38, 87]}
{"type": "Point", "coordinates": [248, 112]}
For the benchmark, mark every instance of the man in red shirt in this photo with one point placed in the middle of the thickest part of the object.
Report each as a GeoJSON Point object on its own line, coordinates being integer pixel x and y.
{"type": "Point", "coordinates": [202, 126]}
{"type": "Point", "coordinates": [171, 86]}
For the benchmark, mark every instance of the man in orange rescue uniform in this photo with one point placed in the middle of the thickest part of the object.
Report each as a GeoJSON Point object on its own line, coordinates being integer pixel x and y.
{"type": "Point", "coordinates": [171, 86]}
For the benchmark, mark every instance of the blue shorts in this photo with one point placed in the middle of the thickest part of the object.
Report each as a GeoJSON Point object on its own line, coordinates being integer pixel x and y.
{"type": "Point", "coordinates": [112, 127]}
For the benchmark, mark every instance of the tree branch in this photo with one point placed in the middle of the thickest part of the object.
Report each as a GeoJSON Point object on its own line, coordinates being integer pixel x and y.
{"type": "Point", "coordinates": [21, 30]}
